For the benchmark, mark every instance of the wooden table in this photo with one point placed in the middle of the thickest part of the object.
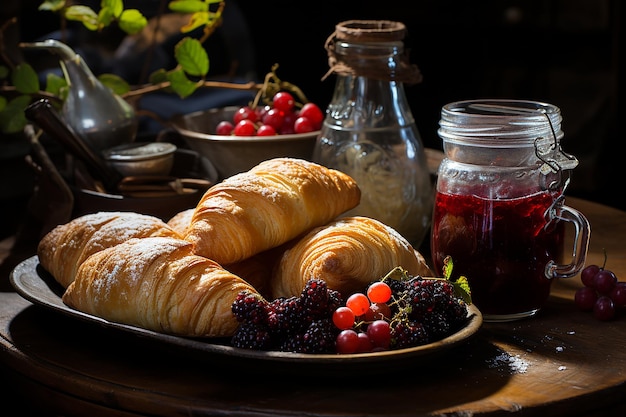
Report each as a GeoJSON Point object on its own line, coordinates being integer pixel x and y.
{"type": "Point", "coordinates": [560, 363]}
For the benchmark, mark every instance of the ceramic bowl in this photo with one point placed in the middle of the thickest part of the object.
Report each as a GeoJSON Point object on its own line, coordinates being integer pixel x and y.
{"type": "Point", "coordinates": [234, 154]}
{"type": "Point", "coordinates": [142, 158]}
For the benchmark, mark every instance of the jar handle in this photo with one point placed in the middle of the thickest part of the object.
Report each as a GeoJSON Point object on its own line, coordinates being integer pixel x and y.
{"type": "Point", "coordinates": [581, 244]}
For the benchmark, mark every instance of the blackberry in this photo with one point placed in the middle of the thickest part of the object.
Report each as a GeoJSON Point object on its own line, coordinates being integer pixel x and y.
{"type": "Point", "coordinates": [437, 325]}
{"type": "Point", "coordinates": [320, 337]}
{"type": "Point", "coordinates": [405, 334]}
{"type": "Point", "coordinates": [286, 316]}
{"type": "Point", "coordinates": [249, 307]}
{"type": "Point", "coordinates": [397, 286]}
{"type": "Point", "coordinates": [314, 298]}
{"type": "Point", "coordinates": [251, 335]}
{"type": "Point", "coordinates": [293, 343]}
{"type": "Point", "coordinates": [335, 300]}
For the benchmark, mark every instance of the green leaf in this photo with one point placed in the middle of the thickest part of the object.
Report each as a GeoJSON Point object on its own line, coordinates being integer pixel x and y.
{"type": "Point", "coordinates": [12, 118]}
{"type": "Point", "coordinates": [106, 17]}
{"type": "Point", "coordinates": [83, 14]}
{"type": "Point", "coordinates": [115, 83]}
{"type": "Point", "coordinates": [116, 6]}
{"type": "Point", "coordinates": [54, 83]}
{"type": "Point", "coordinates": [447, 267]}
{"type": "Point", "coordinates": [3, 103]}
{"type": "Point", "coordinates": [188, 6]}
{"type": "Point", "coordinates": [181, 84]}
{"type": "Point", "coordinates": [192, 57]}
{"type": "Point", "coordinates": [4, 72]}
{"type": "Point", "coordinates": [462, 289]}
{"type": "Point", "coordinates": [25, 79]}
{"type": "Point", "coordinates": [197, 20]}
{"type": "Point", "coordinates": [159, 76]}
{"type": "Point", "coordinates": [52, 5]}
{"type": "Point", "coordinates": [132, 21]}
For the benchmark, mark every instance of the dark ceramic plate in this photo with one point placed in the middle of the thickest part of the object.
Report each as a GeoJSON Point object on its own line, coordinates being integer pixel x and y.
{"type": "Point", "coordinates": [33, 283]}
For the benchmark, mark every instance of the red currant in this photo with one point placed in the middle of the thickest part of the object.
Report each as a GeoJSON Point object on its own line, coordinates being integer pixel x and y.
{"type": "Point", "coordinates": [379, 333]}
{"type": "Point", "coordinates": [266, 130]}
{"type": "Point", "coordinates": [224, 128]}
{"type": "Point", "coordinates": [283, 101]}
{"type": "Point", "coordinates": [358, 303]}
{"type": "Point", "coordinates": [312, 112]}
{"type": "Point", "coordinates": [343, 318]}
{"type": "Point", "coordinates": [243, 113]}
{"type": "Point", "coordinates": [379, 292]}
{"type": "Point", "coordinates": [365, 344]}
{"type": "Point", "coordinates": [274, 118]}
{"type": "Point", "coordinates": [302, 125]}
{"type": "Point", "coordinates": [377, 311]}
{"type": "Point", "coordinates": [245, 128]}
{"type": "Point", "coordinates": [347, 341]}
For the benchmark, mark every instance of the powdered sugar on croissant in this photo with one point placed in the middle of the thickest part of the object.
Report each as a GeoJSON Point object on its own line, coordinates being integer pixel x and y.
{"type": "Point", "coordinates": [159, 284]}
{"type": "Point", "coordinates": [64, 248]}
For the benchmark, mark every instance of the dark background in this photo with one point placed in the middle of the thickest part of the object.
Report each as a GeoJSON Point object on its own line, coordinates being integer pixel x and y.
{"type": "Point", "coordinates": [565, 52]}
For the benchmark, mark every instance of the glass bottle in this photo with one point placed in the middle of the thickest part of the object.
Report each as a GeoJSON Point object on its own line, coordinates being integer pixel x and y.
{"type": "Point", "coordinates": [369, 131]}
{"type": "Point", "coordinates": [499, 209]}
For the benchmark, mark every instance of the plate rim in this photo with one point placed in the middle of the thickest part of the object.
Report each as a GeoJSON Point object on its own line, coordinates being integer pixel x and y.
{"type": "Point", "coordinates": [27, 273]}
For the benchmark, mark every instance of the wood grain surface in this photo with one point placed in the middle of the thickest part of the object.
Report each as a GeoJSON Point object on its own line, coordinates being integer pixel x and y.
{"type": "Point", "coordinates": [561, 362]}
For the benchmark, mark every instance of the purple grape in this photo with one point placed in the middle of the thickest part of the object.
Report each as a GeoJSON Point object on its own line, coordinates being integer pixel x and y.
{"type": "Point", "coordinates": [618, 295]}
{"type": "Point", "coordinates": [588, 274]}
{"type": "Point", "coordinates": [604, 309]}
{"type": "Point", "coordinates": [585, 298]}
{"type": "Point", "coordinates": [604, 281]}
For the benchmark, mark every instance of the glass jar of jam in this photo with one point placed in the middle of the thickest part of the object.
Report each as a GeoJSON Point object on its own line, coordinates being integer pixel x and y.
{"type": "Point", "coordinates": [499, 208]}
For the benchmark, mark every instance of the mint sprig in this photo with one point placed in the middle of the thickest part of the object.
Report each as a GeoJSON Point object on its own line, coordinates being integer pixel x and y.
{"type": "Point", "coordinates": [461, 284]}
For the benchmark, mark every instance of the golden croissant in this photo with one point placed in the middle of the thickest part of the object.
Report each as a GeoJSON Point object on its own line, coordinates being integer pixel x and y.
{"type": "Point", "coordinates": [64, 248]}
{"type": "Point", "coordinates": [159, 284]}
{"type": "Point", "coordinates": [348, 254]}
{"type": "Point", "coordinates": [181, 220]}
{"type": "Point", "coordinates": [267, 206]}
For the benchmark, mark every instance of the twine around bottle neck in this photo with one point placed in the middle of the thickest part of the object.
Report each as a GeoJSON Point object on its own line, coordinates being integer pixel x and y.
{"type": "Point", "coordinates": [360, 65]}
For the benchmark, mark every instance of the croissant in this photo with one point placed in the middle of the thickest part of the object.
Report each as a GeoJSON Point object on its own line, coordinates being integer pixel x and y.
{"type": "Point", "coordinates": [348, 254]}
{"type": "Point", "coordinates": [64, 248]}
{"type": "Point", "coordinates": [181, 220]}
{"type": "Point", "coordinates": [267, 206]}
{"type": "Point", "coordinates": [159, 284]}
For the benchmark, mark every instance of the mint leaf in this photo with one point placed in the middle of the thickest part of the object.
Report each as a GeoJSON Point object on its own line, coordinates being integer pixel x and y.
{"type": "Point", "coordinates": [181, 84]}
{"type": "Point", "coordinates": [192, 57]}
{"type": "Point", "coordinates": [188, 6]}
{"type": "Point", "coordinates": [132, 21]}
{"type": "Point", "coordinates": [25, 79]}
{"type": "Point", "coordinates": [54, 83]}
{"type": "Point", "coordinates": [12, 118]}
{"type": "Point", "coordinates": [462, 289]}
{"type": "Point", "coordinates": [115, 83]}
{"type": "Point", "coordinates": [83, 14]}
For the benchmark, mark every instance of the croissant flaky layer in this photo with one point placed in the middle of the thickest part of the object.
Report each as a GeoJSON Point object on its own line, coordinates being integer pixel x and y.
{"type": "Point", "coordinates": [64, 248]}
{"type": "Point", "coordinates": [159, 284]}
{"type": "Point", "coordinates": [348, 254]}
{"type": "Point", "coordinates": [267, 206]}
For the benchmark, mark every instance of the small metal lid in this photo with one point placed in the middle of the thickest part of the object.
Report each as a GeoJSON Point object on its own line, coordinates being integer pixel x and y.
{"type": "Point", "coordinates": [139, 151]}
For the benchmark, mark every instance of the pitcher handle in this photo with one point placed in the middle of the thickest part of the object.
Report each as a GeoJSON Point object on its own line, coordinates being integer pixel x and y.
{"type": "Point", "coordinates": [580, 246]}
